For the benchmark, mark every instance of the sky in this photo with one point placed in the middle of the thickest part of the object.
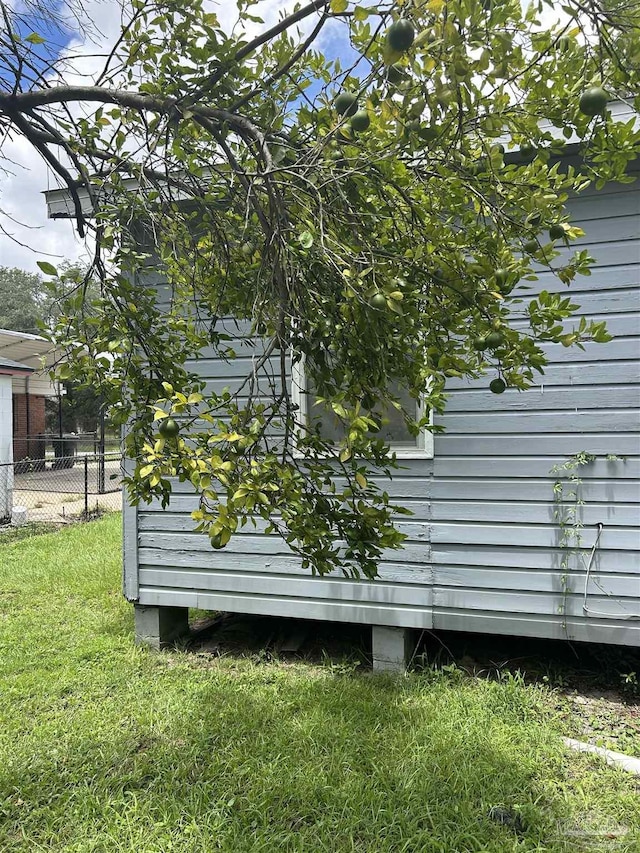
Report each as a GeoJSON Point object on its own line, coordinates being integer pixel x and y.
{"type": "Point", "coordinates": [21, 200]}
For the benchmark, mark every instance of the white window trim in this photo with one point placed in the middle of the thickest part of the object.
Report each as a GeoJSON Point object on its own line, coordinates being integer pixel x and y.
{"type": "Point", "coordinates": [424, 446]}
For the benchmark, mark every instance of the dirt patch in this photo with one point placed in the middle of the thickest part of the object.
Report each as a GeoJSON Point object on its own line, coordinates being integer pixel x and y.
{"type": "Point", "coordinates": [63, 508]}
{"type": "Point", "coordinates": [267, 638]}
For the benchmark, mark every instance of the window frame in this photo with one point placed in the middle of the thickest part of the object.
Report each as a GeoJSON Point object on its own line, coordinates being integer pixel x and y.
{"type": "Point", "coordinates": [424, 444]}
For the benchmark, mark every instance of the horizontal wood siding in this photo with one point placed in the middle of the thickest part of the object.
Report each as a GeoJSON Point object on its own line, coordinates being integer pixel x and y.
{"type": "Point", "coordinates": [497, 565]}
{"type": "Point", "coordinates": [482, 550]}
{"type": "Point", "coordinates": [257, 573]}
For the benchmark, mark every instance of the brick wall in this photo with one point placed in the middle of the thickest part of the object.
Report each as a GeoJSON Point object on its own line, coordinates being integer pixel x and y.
{"type": "Point", "coordinates": [21, 429]}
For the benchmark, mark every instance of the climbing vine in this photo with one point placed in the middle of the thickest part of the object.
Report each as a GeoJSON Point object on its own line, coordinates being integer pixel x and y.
{"type": "Point", "coordinates": [568, 500]}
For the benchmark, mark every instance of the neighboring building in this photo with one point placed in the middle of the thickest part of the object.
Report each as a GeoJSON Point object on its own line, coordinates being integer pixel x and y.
{"type": "Point", "coordinates": [29, 390]}
{"type": "Point", "coordinates": [485, 546]}
{"type": "Point", "coordinates": [9, 371]}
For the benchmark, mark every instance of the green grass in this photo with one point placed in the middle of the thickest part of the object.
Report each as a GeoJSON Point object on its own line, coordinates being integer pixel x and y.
{"type": "Point", "coordinates": [105, 747]}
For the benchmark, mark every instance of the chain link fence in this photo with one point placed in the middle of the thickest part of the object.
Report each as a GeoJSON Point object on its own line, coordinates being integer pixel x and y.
{"type": "Point", "coordinates": [59, 489]}
{"type": "Point", "coordinates": [28, 450]}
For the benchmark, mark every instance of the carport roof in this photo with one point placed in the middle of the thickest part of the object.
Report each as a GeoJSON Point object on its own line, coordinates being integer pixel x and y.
{"type": "Point", "coordinates": [8, 365]}
{"type": "Point", "coordinates": [34, 356]}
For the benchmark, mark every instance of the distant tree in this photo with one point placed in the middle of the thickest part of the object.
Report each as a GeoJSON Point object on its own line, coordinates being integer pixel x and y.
{"type": "Point", "coordinates": [82, 403]}
{"type": "Point", "coordinates": [29, 304]}
{"type": "Point", "coordinates": [23, 300]}
{"type": "Point", "coordinates": [80, 410]}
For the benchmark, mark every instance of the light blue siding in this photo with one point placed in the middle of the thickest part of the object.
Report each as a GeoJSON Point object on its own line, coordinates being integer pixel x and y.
{"type": "Point", "coordinates": [483, 549]}
{"type": "Point", "coordinates": [496, 560]}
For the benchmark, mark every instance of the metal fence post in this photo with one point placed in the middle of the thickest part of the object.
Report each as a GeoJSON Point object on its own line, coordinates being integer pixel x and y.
{"type": "Point", "coordinates": [102, 452]}
{"type": "Point", "coordinates": [86, 486]}
{"type": "Point", "coordinates": [100, 459]}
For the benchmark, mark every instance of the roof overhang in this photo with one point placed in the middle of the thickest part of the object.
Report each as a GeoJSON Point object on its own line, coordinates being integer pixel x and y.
{"type": "Point", "coordinates": [28, 358]}
{"type": "Point", "coordinates": [14, 368]}
{"type": "Point", "coordinates": [33, 351]}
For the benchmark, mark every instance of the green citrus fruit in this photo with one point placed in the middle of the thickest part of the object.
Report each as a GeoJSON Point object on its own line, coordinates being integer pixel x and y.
{"type": "Point", "coordinates": [502, 277]}
{"type": "Point", "coordinates": [360, 121]}
{"type": "Point", "coordinates": [531, 247]}
{"type": "Point", "coordinates": [368, 401]}
{"type": "Point", "coordinates": [593, 101]}
{"type": "Point", "coordinates": [479, 167]}
{"type": "Point", "coordinates": [396, 74]}
{"type": "Point", "coordinates": [528, 151]}
{"type": "Point", "coordinates": [400, 36]}
{"type": "Point", "coordinates": [378, 301]}
{"type": "Point", "coordinates": [216, 541]}
{"type": "Point", "coordinates": [168, 428]}
{"type": "Point", "coordinates": [534, 218]}
{"type": "Point", "coordinates": [495, 340]}
{"type": "Point", "coordinates": [480, 344]}
{"type": "Point", "coordinates": [556, 232]}
{"type": "Point", "coordinates": [497, 386]}
{"type": "Point", "coordinates": [346, 104]}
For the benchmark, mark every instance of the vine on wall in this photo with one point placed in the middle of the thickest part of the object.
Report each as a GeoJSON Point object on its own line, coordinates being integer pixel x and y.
{"type": "Point", "coordinates": [568, 500]}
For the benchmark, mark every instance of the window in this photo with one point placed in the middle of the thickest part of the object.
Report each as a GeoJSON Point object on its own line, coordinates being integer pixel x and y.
{"type": "Point", "coordinates": [393, 427]}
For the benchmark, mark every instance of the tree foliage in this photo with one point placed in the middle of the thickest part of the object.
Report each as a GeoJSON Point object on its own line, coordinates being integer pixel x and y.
{"type": "Point", "coordinates": [399, 247]}
{"type": "Point", "coordinates": [22, 300]}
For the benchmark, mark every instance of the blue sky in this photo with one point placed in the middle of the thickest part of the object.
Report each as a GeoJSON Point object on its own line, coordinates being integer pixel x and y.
{"type": "Point", "coordinates": [50, 27]}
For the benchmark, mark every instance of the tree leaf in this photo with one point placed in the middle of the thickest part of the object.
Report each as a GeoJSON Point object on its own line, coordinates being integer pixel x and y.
{"type": "Point", "coordinates": [47, 268]}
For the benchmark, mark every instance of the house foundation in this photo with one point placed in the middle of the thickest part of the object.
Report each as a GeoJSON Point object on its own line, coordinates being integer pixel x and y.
{"type": "Point", "coordinates": [392, 648]}
{"type": "Point", "coordinates": [158, 627]}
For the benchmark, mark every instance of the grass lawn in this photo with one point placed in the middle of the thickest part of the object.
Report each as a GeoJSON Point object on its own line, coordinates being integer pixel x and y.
{"type": "Point", "coordinates": [105, 747]}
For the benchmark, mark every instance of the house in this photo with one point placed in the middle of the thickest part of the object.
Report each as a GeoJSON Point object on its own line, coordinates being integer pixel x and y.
{"type": "Point", "coordinates": [9, 370]}
{"type": "Point", "coordinates": [24, 386]}
{"type": "Point", "coordinates": [489, 546]}
{"type": "Point", "coordinates": [30, 387]}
